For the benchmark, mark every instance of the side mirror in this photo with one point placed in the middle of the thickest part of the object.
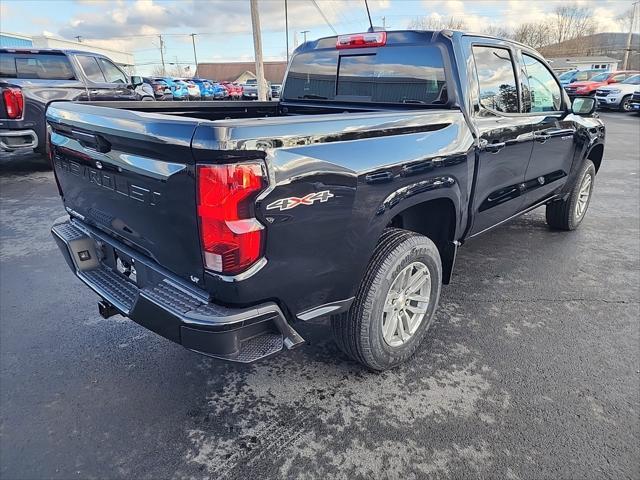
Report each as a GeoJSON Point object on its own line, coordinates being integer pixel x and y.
{"type": "Point", "coordinates": [136, 81]}
{"type": "Point", "coordinates": [583, 105]}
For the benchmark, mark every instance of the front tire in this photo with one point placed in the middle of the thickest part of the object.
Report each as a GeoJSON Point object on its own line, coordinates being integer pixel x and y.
{"type": "Point", "coordinates": [395, 303]}
{"type": "Point", "coordinates": [568, 214]}
{"type": "Point", "coordinates": [625, 104]}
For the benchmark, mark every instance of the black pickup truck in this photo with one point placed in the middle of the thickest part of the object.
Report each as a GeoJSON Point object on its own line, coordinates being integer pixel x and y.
{"type": "Point", "coordinates": [222, 227]}
{"type": "Point", "coordinates": [31, 78]}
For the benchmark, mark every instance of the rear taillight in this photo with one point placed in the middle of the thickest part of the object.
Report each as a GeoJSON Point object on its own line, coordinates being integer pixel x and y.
{"type": "Point", "coordinates": [362, 40]}
{"type": "Point", "coordinates": [232, 238]}
{"type": "Point", "coordinates": [13, 101]}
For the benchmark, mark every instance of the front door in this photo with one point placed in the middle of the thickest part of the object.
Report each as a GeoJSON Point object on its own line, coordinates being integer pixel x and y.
{"type": "Point", "coordinates": [505, 139]}
{"type": "Point", "coordinates": [554, 136]}
{"type": "Point", "coordinates": [117, 83]}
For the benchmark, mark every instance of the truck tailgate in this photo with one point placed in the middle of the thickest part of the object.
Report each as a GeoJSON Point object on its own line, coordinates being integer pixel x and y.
{"type": "Point", "coordinates": [130, 175]}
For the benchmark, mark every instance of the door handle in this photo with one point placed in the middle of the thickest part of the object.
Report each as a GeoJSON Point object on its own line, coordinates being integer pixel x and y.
{"type": "Point", "coordinates": [494, 147]}
{"type": "Point", "coordinates": [381, 177]}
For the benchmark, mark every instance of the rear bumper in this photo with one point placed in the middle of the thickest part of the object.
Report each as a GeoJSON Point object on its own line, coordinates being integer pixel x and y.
{"type": "Point", "coordinates": [18, 140]}
{"type": "Point", "coordinates": [169, 306]}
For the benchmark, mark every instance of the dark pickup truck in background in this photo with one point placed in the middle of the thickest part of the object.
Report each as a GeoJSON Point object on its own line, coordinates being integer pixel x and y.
{"type": "Point", "coordinates": [31, 78]}
{"type": "Point", "coordinates": [221, 227]}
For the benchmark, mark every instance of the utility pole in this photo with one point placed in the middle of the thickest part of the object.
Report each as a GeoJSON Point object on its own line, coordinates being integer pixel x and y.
{"type": "Point", "coordinates": [257, 48]}
{"type": "Point", "coordinates": [195, 56]}
{"type": "Point", "coordinates": [79, 38]}
{"type": "Point", "coordinates": [384, 22]}
{"type": "Point", "coordinates": [304, 32]}
{"type": "Point", "coordinates": [164, 69]}
{"type": "Point", "coordinates": [629, 36]}
{"type": "Point", "coordinates": [286, 27]}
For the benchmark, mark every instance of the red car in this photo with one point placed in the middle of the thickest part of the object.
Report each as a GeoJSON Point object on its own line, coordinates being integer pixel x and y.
{"type": "Point", "coordinates": [235, 91]}
{"type": "Point", "coordinates": [588, 87]}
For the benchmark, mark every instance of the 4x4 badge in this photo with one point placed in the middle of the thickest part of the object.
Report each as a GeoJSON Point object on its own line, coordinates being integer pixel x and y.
{"type": "Point", "coordinates": [291, 202]}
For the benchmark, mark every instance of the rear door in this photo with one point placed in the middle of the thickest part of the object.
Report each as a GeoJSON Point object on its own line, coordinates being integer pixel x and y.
{"type": "Point", "coordinates": [131, 175]}
{"type": "Point", "coordinates": [505, 136]}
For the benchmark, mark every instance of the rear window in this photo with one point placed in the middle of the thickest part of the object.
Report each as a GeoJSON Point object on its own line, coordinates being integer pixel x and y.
{"type": "Point", "coordinates": [35, 66]}
{"type": "Point", "coordinates": [402, 74]}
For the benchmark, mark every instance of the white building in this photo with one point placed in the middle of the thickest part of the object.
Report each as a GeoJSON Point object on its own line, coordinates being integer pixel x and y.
{"type": "Point", "coordinates": [9, 40]}
{"type": "Point", "coordinates": [563, 64]}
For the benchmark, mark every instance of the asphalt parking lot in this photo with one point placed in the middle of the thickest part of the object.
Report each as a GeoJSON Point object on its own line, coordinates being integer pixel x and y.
{"type": "Point", "coordinates": [531, 370]}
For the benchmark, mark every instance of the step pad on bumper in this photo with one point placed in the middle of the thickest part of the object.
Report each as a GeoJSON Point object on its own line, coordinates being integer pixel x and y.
{"type": "Point", "coordinates": [121, 293]}
{"type": "Point", "coordinates": [163, 306]}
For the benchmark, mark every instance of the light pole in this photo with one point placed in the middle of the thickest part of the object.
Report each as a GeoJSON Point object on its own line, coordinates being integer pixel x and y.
{"type": "Point", "coordinates": [164, 69]}
{"type": "Point", "coordinates": [304, 32]}
{"type": "Point", "coordinates": [629, 36]}
{"type": "Point", "coordinates": [286, 27]}
{"type": "Point", "coordinates": [195, 56]}
{"type": "Point", "coordinates": [257, 48]}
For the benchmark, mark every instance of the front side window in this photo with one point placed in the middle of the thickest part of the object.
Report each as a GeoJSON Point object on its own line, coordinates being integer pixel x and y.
{"type": "Point", "coordinates": [111, 72]}
{"type": "Point", "coordinates": [545, 92]}
{"type": "Point", "coordinates": [90, 68]}
{"type": "Point", "coordinates": [496, 79]}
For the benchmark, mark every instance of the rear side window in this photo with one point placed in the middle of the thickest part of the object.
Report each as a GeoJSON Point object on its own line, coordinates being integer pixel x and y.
{"type": "Point", "coordinates": [496, 79]}
{"type": "Point", "coordinates": [90, 68]}
{"type": "Point", "coordinates": [35, 66]}
{"type": "Point", "coordinates": [406, 74]}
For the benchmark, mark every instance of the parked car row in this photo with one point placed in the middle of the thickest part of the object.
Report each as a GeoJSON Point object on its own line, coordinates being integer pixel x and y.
{"type": "Point", "coordinates": [168, 88]}
{"type": "Point", "coordinates": [599, 84]}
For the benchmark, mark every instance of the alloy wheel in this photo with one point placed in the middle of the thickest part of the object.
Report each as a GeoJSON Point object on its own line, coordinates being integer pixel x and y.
{"type": "Point", "coordinates": [583, 196]}
{"type": "Point", "coordinates": [406, 304]}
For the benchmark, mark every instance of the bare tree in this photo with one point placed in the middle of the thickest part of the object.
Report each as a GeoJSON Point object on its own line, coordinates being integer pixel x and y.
{"type": "Point", "coordinates": [157, 71]}
{"type": "Point", "coordinates": [429, 23]}
{"type": "Point", "coordinates": [171, 71]}
{"type": "Point", "coordinates": [536, 35]}
{"type": "Point", "coordinates": [572, 21]}
{"type": "Point", "coordinates": [625, 19]}
{"type": "Point", "coordinates": [496, 31]}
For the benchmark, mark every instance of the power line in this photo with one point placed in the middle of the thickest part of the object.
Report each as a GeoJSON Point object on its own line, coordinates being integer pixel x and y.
{"type": "Point", "coordinates": [324, 17]}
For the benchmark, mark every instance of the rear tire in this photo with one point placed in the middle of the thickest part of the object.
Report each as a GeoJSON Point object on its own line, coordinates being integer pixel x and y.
{"type": "Point", "coordinates": [568, 214]}
{"type": "Point", "coordinates": [395, 303]}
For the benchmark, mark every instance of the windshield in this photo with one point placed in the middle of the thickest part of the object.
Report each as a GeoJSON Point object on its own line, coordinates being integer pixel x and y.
{"type": "Point", "coordinates": [601, 77]}
{"type": "Point", "coordinates": [567, 75]}
{"type": "Point", "coordinates": [391, 74]}
{"type": "Point", "coordinates": [251, 82]}
{"type": "Point", "coordinates": [634, 80]}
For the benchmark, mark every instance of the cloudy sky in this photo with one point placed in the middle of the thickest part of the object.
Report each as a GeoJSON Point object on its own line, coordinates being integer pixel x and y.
{"type": "Point", "coordinates": [223, 27]}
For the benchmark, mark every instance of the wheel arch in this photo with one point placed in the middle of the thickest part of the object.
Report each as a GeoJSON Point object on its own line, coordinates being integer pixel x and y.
{"type": "Point", "coordinates": [596, 154]}
{"type": "Point", "coordinates": [436, 219]}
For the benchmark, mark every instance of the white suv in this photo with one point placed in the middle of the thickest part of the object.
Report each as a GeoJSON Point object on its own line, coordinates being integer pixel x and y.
{"type": "Point", "coordinates": [618, 95]}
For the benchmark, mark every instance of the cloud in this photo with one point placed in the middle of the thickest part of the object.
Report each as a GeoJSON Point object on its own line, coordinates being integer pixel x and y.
{"type": "Point", "coordinates": [5, 13]}
{"type": "Point", "coordinates": [478, 14]}
{"type": "Point", "coordinates": [143, 17]}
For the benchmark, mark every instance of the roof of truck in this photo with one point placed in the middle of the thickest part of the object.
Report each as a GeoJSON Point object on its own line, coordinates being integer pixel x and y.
{"type": "Point", "coordinates": [50, 50]}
